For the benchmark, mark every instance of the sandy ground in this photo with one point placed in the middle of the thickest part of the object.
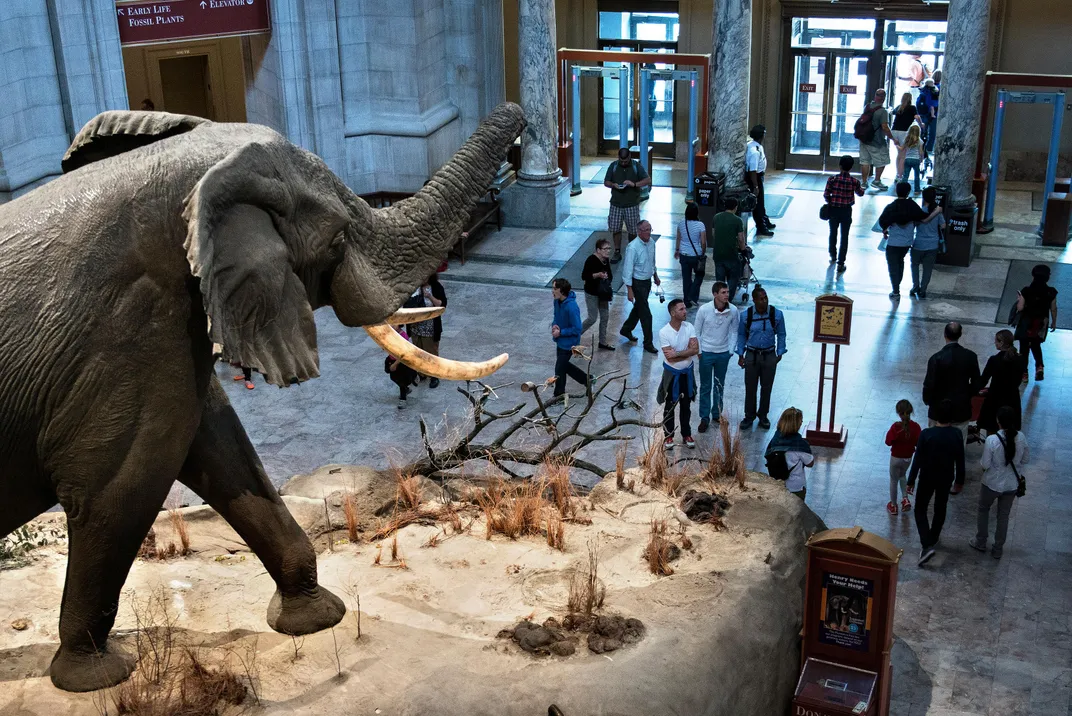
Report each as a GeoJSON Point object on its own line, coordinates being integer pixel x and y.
{"type": "Point", "coordinates": [721, 632]}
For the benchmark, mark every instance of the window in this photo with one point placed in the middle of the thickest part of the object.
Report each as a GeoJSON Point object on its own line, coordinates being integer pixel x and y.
{"type": "Point", "coordinates": [906, 35]}
{"type": "Point", "coordinates": [834, 32]}
{"type": "Point", "coordinates": [649, 26]}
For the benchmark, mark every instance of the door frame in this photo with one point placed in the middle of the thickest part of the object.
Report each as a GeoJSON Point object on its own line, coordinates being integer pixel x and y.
{"type": "Point", "coordinates": [610, 146]}
{"type": "Point", "coordinates": [154, 55]}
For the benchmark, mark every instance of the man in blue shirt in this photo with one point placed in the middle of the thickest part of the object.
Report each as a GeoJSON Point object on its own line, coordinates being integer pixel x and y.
{"type": "Point", "coordinates": [760, 346]}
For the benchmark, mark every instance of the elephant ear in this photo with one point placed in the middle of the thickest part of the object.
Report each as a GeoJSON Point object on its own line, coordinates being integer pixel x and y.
{"type": "Point", "coordinates": [258, 309]}
{"type": "Point", "coordinates": [114, 132]}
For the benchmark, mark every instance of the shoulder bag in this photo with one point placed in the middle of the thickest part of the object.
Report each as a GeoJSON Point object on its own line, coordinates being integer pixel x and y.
{"type": "Point", "coordinates": [701, 264]}
{"type": "Point", "coordinates": [824, 212]}
{"type": "Point", "coordinates": [1021, 483]}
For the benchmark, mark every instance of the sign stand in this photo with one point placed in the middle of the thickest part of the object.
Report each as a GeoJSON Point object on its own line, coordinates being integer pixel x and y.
{"type": "Point", "coordinates": [833, 324]}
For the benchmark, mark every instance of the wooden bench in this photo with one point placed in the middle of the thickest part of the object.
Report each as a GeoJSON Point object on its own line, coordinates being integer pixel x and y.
{"type": "Point", "coordinates": [487, 211]}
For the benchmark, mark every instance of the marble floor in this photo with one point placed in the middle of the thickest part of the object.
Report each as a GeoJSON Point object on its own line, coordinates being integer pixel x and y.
{"type": "Point", "coordinates": [974, 635]}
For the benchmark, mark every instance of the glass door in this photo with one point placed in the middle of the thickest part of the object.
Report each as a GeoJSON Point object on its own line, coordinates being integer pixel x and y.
{"type": "Point", "coordinates": [849, 92]}
{"type": "Point", "coordinates": [829, 94]}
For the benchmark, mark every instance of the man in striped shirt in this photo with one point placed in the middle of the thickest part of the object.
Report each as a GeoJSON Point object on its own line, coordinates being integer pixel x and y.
{"type": "Point", "coordinates": [841, 192]}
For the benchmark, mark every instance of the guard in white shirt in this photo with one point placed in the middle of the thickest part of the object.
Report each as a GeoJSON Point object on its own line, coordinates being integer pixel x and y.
{"type": "Point", "coordinates": [716, 329]}
{"type": "Point", "coordinates": [755, 160]}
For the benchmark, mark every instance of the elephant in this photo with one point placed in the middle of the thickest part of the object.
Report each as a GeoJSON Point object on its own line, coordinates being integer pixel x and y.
{"type": "Point", "coordinates": [168, 242]}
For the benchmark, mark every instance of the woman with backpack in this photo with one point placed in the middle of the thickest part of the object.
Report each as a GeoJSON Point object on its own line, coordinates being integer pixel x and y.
{"type": "Point", "coordinates": [788, 453]}
{"type": "Point", "coordinates": [691, 251]}
{"type": "Point", "coordinates": [1003, 461]}
{"type": "Point", "coordinates": [1037, 304]}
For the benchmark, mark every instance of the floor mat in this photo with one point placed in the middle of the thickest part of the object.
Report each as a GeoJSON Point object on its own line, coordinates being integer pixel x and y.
{"type": "Point", "coordinates": [571, 270]}
{"type": "Point", "coordinates": [1020, 275]}
{"type": "Point", "coordinates": [777, 205]}
{"type": "Point", "coordinates": [809, 182]}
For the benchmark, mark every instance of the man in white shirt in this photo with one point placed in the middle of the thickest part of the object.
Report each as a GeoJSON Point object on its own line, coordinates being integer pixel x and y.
{"type": "Point", "coordinates": [638, 272]}
{"type": "Point", "coordinates": [716, 330]}
{"type": "Point", "coordinates": [680, 347]}
{"type": "Point", "coordinates": [755, 164]}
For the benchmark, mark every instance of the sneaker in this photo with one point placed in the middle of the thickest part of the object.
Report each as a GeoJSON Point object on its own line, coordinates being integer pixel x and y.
{"type": "Point", "coordinates": [841, 268]}
{"type": "Point", "coordinates": [895, 295]}
{"type": "Point", "coordinates": [764, 424]}
{"type": "Point", "coordinates": [764, 232]}
{"type": "Point", "coordinates": [925, 555]}
{"type": "Point", "coordinates": [690, 443]}
{"type": "Point", "coordinates": [648, 347]}
{"type": "Point", "coordinates": [242, 376]}
{"type": "Point", "coordinates": [891, 508]}
{"type": "Point", "coordinates": [746, 424]}
{"type": "Point", "coordinates": [1039, 374]}
{"type": "Point", "coordinates": [956, 489]}
{"type": "Point", "coordinates": [995, 552]}
{"type": "Point", "coordinates": [922, 295]}
{"type": "Point", "coordinates": [905, 505]}
{"type": "Point", "coordinates": [704, 423]}
{"type": "Point", "coordinates": [1024, 381]}
{"type": "Point", "coordinates": [605, 347]}
{"type": "Point", "coordinates": [627, 335]}
{"type": "Point", "coordinates": [249, 385]}
{"type": "Point", "coordinates": [668, 444]}
{"type": "Point", "coordinates": [401, 403]}
{"type": "Point", "coordinates": [976, 545]}
{"type": "Point", "coordinates": [771, 227]}
{"type": "Point", "coordinates": [913, 292]}
{"type": "Point", "coordinates": [879, 185]}
{"type": "Point", "coordinates": [617, 257]}
{"type": "Point", "coordinates": [433, 383]}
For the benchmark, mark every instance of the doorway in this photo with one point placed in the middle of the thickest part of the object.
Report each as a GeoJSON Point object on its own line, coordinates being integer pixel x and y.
{"type": "Point", "coordinates": [186, 85]}
{"type": "Point", "coordinates": [830, 92]}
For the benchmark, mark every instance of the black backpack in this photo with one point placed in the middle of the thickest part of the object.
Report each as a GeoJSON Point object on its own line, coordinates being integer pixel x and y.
{"type": "Point", "coordinates": [777, 467]}
{"type": "Point", "coordinates": [864, 130]}
{"type": "Point", "coordinates": [748, 322]}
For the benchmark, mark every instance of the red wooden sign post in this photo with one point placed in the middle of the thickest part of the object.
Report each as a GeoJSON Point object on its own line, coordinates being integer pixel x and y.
{"type": "Point", "coordinates": [833, 325]}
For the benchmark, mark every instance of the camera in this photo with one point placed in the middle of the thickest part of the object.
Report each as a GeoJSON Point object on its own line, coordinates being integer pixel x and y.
{"type": "Point", "coordinates": [662, 296]}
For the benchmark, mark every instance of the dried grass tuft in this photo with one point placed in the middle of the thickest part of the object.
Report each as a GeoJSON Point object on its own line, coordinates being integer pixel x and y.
{"type": "Point", "coordinates": [556, 531]}
{"type": "Point", "coordinates": [407, 490]}
{"type": "Point", "coordinates": [657, 553]}
{"type": "Point", "coordinates": [349, 509]}
{"type": "Point", "coordinates": [432, 541]}
{"type": "Point", "coordinates": [557, 475]}
{"type": "Point", "coordinates": [619, 465]}
{"type": "Point", "coordinates": [727, 458]}
{"type": "Point", "coordinates": [182, 530]}
{"type": "Point", "coordinates": [513, 515]}
{"type": "Point", "coordinates": [654, 463]}
{"type": "Point", "coordinates": [675, 478]}
{"type": "Point", "coordinates": [586, 591]}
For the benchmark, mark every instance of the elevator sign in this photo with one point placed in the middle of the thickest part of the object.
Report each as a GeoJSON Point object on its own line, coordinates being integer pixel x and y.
{"type": "Point", "coordinates": [145, 23]}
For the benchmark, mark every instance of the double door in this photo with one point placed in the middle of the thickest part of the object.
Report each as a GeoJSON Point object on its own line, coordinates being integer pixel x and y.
{"type": "Point", "coordinates": [660, 101]}
{"type": "Point", "coordinates": [829, 93]}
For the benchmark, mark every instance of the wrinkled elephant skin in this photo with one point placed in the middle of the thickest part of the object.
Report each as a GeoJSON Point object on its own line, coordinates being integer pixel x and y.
{"type": "Point", "coordinates": [167, 235]}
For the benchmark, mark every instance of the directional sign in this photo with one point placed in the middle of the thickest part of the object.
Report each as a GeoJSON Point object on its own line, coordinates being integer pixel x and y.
{"type": "Point", "coordinates": [144, 23]}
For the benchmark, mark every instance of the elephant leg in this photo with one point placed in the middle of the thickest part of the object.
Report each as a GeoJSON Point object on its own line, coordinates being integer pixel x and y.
{"type": "Point", "coordinates": [223, 468]}
{"type": "Point", "coordinates": [23, 500]}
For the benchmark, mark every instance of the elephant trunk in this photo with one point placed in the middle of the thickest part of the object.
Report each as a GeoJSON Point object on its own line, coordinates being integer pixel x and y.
{"type": "Point", "coordinates": [392, 251]}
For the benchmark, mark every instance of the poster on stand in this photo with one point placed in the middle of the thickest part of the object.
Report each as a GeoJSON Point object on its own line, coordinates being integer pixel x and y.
{"type": "Point", "coordinates": [845, 617]}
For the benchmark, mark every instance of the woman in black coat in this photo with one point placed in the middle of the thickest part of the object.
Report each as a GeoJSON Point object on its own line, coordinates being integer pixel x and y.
{"type": "Point", "coordinates": [1003, 371]}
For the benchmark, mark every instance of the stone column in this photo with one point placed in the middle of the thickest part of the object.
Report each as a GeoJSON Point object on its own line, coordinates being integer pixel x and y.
{"type": "Point", "coordinates": [730, 78]}
{"type": "Point", "coordinates": [958, 109]}
{"type": "Point", "coordinates": [540, 198]}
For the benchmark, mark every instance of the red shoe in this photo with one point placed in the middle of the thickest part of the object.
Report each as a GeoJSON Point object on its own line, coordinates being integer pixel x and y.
{"type": "Point", "coordinates": [249, 385]}
{"type": "Point", "coordinates": [905, 505]}
{"type": "Point", "coordinates": [240, 376]}
{"type": "Point", "coordinates": [690, 443]}
{"type": "Point", "coordinates": [891, 508]}
{"type": "Point", "coordinates": [956, 489]}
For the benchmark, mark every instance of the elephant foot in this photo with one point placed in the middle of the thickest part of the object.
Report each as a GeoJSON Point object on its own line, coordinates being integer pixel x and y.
{"type": "Point", "coordinates": [89, 671]}
{"type": "Point", "coordinates": [305, 613]}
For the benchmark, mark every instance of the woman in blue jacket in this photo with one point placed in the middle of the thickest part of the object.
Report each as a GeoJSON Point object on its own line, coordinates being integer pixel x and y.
{"type": "Point", "coordinates": [566, 331]}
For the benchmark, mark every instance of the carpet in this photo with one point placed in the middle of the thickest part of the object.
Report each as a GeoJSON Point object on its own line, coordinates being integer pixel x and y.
{"type": "Point", "coordinates": [809, 182]}
{"type": "Point", "coordinates": [571, 270]}
{"type": "Point", "coordinates": [1020, 275]}
{"type": "Point", "coordinates": [777, 205]}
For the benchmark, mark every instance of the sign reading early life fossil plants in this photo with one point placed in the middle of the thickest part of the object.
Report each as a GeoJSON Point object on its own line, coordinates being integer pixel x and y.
{"type": "Point", "coordinates": [146, 23]}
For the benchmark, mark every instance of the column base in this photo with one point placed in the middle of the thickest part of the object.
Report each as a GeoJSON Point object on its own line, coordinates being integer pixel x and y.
{"type": "Point", "coordinates": [540, 206]}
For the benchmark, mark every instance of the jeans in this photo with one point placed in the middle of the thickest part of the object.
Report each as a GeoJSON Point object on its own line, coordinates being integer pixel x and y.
{"type": "Point", "coordinates": [1036, 350]}
{"type": "Point", "coordinates": [895, 256]}
{"type": "Point", "coordinates": [759, 370]}
{"type": "Point", "coordinates": [924, 260]}
{"type": "Point", "coordinates": [730, 272]}
{"type": "Point", "coordinates": [840, 216]}
{"type": "Point", "coordinates": [759, 214]}
{"type": "Point", "coordinates": [712, 376]}
{"type": "Point", "coordinates": [912, 165]}
{"type": "Point", "coordinates": [986, 498]}
{"type": "Point", "coordinates": [898, 471]}
{"type": "Point", "coordinates": [692, 274]}
{"type": "Point", "coordinates": [563, 367]}
{"type": "Point", "coordinates": [932, 134]}
{"type": "Point", "coordinates": [939, 490]}
{"type": "Point", "coordinates": [684, 403]}
{"type": "Point", "coordinates": [641, 311]}
{"type": "Point", "coordinates": [602, 308]}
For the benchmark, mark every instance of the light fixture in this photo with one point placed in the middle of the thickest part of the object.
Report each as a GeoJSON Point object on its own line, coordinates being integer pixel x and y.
{"type": "Point", "coordinates": [935, 2]}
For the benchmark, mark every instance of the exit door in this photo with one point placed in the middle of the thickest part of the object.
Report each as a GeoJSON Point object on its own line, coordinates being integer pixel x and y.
{"type": "Point", "coordinates": [829, 93]}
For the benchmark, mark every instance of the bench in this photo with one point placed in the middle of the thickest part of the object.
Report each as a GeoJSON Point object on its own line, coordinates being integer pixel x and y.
{"type": "Point", "coordinates": [487, 211]}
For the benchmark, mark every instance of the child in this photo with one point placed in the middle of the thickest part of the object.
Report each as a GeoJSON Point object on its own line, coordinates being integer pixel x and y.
{"type": "Point", "coordinates": [902, 438]}
{"type": "Point", "coordinates": [788, 441]}
{"type": "Point", "coordinates": [401, 374]}
{"type": "Point", "coordinates": [914, 153]}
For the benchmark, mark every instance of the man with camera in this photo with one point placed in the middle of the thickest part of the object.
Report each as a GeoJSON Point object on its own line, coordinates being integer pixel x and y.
{"type": "Point", "coordinates": [638, 273]}
{"type": "Point", "coordinates": [625, 178]}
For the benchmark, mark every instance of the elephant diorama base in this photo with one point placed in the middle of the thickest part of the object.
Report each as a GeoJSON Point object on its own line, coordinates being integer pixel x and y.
{"type": "Point", "coordinates": [170, 241]}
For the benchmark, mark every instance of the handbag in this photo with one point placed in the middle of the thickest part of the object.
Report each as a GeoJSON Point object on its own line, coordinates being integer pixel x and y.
{"type": "Point", "coordinates": [1021, 483]}
{"type": "Point", "coordinates": [824, 212]}
{"type": "Point", "coordinates": [605, 292]}
{"type": "Point", "coordinates": [701, 263]}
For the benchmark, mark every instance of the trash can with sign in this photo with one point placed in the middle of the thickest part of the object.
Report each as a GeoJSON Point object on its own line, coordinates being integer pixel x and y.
{"type": "Point", "coordinates": [959, 235]}
{"type": "Point", "coordinates": [707, 193]}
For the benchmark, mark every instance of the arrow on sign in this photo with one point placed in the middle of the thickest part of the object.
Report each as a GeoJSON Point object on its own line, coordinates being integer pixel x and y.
{"type": "Point", "coordinates": [202, 4]}
{"type": "Point", "coordinates": [120, 11]}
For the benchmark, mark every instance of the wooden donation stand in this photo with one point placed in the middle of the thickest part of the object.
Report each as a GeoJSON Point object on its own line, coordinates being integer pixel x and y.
{"type": "Point", "coordinates": [833, 324]}
{"type": "Point", "coordinates": [848, 625]}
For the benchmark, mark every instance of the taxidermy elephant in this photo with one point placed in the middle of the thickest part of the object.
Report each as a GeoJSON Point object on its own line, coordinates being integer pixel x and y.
{"type": "Point", "coordinates": [166, 235]}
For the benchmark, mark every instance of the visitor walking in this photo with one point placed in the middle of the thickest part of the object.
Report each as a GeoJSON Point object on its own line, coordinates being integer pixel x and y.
{"type": "Point", "coordinates": [566, 332]}
{"type": "Point", "coordinates": [401, 374]}
{"type": "Point", "coordinates": [927, 107]}
{"type": "Point", "coordinates": [638, 273]}
{"type": "Point", "coordinates": [1037, 304]}
{"type": "Point", "coordinates": [911, 155]}
{"type": "Point", "coordinates": [1002, 374]}
{"type": "Point", "coordinates": [690, 250]}
{"type": "Point", "coordinates": [678, 386]}
{"type": "Point", "coordinates": [598, 290]}
{"type": "Point", "coordinates": [904, 117]}
{"type": "Point", "coordinates": [952, 374]}
{"type": "Point", "coordinates": [840, 194]}
{"type": "Point", "coordinates": [1004, 456]}
{"type": "Point", "coordinates": [902, 438]}
{"type": "Point", "coordinates": [424, 334]}
{"type": "Point", "coordinates": [898, 222]}
{"type": "Point", "coordinates": [925, 245]}
{"type": "Point", "coordinates": [939, 466]}
{"type": "Point", "coordinates": [727, 243]}
{"type": "Point", "coordinates": [625, 178]}
{"type": "Point", "coordinates": [788, 441]}
{"type": "Point", "coordinates": [716, 330]}
{"type": "Point", "coordinates": [873, 131]}
{"type": "Point", "coordinates": [755, 165]}
{"type": "Point", "coordinates": [760, 347]}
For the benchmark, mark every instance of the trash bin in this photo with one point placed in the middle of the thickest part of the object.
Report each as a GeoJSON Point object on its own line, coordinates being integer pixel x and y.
{"type": "Point", "coordinates": [707, 193]}
{"type": "Point", "coordinates": [959, 235]}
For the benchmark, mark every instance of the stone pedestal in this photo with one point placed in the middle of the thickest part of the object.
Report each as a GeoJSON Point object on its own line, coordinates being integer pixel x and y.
{"type": "Point", "coordinates": [730, 76]}
{"type": "Point", "coordinates": [536, 205]}
{"type": "Point", "coordinates": [958, 109]}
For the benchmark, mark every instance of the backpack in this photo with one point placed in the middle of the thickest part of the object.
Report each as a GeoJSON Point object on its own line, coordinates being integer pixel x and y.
{"type": "Point", "coordinates": [748, 324]}
{"type": "Point", "coordinates": [921, 104]}
{"type": "Point", "coordinates": [777, 467]}
{"type": "Point", "coordinates": [864, 130]}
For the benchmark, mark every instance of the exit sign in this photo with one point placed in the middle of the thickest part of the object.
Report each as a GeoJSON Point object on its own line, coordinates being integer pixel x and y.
{"type": "Point", "coordinates": [805, 87]}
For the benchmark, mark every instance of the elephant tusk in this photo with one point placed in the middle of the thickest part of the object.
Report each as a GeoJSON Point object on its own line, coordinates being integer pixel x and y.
{"type": "Point", "coordinates": [428, 364]}
{"type": "Point", "coordinates": [413, 315]}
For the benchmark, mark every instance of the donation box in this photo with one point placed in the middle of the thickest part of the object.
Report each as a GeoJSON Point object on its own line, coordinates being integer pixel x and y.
{"type": "Point", "coordinates": [848, 625]}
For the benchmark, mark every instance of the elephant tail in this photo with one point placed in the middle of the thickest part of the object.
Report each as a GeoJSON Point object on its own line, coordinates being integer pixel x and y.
{"type": "Point", "coordinates": [115, 132]}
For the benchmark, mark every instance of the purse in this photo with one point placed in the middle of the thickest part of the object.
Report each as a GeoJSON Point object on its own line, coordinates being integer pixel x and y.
{"type": "Point", "coordinates": [824, 212]}
{"type": "Point", "coordinates": [1021, 483]}
{"type": "Point", "coordinates": [606, 290]}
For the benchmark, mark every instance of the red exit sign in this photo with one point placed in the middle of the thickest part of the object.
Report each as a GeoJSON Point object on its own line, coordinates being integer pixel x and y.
{"type": "Point", "coordinates": [805, 87]}
{"type": "Point", "coordinates": [847, 89]}
{"type": "Point", "coordinates": [144, 23]}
